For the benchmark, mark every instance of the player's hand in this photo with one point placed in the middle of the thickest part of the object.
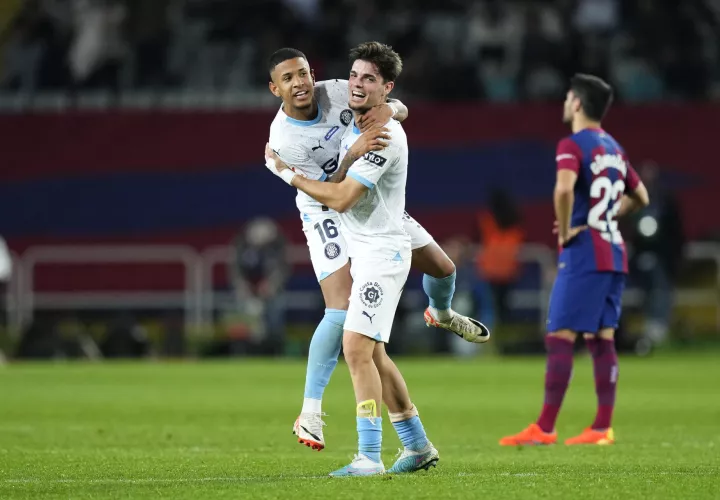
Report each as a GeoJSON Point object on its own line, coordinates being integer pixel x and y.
{"type": "Point", "coordinates": [377, 115]}
{"type": "Point", "coordinates": [273, 163]}
{"type": "Point", "coordinates": [373, 139]}
{"type": "Point", "coordinates": [571, 233]}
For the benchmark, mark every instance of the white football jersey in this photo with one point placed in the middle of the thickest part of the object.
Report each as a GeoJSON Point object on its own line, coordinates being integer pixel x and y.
{"type": "Point", "coordinates": [374, 226]}
{"type": "Point", "coordinates": [312, 146]}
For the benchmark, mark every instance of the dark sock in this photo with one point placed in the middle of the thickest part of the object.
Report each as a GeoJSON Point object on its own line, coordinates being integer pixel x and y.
{"type": "Point", "coordinates": [605, 368]}
{"type": "Point", "coordinates": [557, 378]}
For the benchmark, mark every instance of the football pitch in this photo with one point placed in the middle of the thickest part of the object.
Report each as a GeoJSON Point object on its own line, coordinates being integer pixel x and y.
{"type": "Point", "coordinates": [223, 430]}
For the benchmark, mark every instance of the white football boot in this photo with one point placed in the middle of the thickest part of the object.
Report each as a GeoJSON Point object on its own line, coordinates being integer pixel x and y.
{"type": "Point", "coordinates": [309, 429]}
{"type": "Point", "coordinates": [462, 326]}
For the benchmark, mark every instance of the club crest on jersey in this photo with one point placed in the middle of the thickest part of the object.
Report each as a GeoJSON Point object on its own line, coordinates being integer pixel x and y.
{"type": "Point", "coordinates": [371, 294]}
{"type": "Point", "coordinates": [346, 117]}
{"type": "Point", "coordinates": [332, 250]}
{"type": "Point", "coordinates": [375, 159]}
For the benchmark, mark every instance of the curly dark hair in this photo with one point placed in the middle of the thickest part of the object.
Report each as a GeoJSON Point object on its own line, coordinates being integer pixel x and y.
{"type": "Point", "coordinates": [388, 62]}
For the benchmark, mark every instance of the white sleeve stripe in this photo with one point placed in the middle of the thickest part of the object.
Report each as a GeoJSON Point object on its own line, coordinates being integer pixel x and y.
{"type": "Point", "coordinates": [565, 156]}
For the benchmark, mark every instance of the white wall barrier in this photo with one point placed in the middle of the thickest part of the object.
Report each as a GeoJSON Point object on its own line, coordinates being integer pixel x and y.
{"type": "Point", "coordinates": [30, 300]}
{"type": "Point", "coordinates": [198, 298]}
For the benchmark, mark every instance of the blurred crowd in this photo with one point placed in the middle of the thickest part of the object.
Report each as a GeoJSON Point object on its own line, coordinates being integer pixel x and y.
{"type": "Point", "coordinates": [497, 50]}
{"type": "Point", "coordinates": [490, 270]}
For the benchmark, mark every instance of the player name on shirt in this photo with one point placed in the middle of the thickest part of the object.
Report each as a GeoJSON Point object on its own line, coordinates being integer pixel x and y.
{"type": "Point", "coordinates": [603, 162]}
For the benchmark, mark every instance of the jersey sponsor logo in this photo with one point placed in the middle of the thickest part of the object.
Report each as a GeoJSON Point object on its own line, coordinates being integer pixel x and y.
{"type": "Point", "coordinates": [332, 250]}
{"type": "Point", "coordinates": [371, 294]}
{"type": "Point", "coordinates": [331, 132]}
{"type": "Point", "coordinates": [346, 117]}
{"type": "Point", "coordinates": [375, 159]}
{"type": "Point", "coordinates": [319, 146]}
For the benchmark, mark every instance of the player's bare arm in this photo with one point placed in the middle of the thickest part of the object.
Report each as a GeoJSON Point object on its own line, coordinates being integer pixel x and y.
{"type": "Point", "coordinates": [382, 113]}
{"type": "Point", "coordinates": [373, 139]}
{"type": "Point", "coordinates": [340, 197]}
{"type": "Point", "coordinates": [564, 198]}
{"type": "Point", "coordinates": [634, 200]}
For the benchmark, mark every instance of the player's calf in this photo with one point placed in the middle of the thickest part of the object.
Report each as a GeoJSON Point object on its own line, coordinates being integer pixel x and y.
{"type": "Point", "coordinates": [367, 461]}
{"type": "Point", "coordinates": [418, 452]}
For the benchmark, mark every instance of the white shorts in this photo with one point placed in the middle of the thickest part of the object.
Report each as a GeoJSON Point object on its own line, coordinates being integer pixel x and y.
{"type": "Point", "coordinates": [419, 237]}
{"type": "Point", "coordinates": [377, 286]}
{"type": "Point", "coordinates": [328, 250]}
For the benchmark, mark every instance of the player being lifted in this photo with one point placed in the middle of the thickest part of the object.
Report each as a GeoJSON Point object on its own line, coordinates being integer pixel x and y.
{"type": "Point", "coordinates": [306, 134]}
{"type": "Point", "coordinates": [595, 185]}
{"type": "Point", "coordinates": [370, 201]}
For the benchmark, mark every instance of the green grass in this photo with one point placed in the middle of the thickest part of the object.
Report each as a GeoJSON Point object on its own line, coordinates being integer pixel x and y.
{"type": "Point", "coordinates": [223, 430]}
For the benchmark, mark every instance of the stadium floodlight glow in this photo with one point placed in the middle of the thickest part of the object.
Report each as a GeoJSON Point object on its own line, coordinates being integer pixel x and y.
{"type": "Point", "coordinates": [648, 226]}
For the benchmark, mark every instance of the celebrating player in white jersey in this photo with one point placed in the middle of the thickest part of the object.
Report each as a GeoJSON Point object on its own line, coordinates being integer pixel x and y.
{"type": "Point", "coordinates": [371, 203]}
{"type": "Point", "coordinates": [306, 134]}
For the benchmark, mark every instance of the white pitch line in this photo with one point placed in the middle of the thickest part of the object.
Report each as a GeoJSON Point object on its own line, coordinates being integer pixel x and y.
{"type": "Point", "coordinates": [151, 480]}
{"type": "Point", "coordinates": [287, 478]}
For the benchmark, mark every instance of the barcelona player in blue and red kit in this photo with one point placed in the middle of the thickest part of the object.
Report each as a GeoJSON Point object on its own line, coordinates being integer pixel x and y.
{"type": "Point", "coordinates": [595, 185]}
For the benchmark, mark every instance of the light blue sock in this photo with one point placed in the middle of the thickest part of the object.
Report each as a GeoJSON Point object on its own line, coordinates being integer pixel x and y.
{"type": "Point", "coordinates": [411, 433]}
{"type": "Point", "coordinates": [370, 437]}
{"type": "Point", "coordinates": [324, 352]}
{"type": "Point", "coordinates": [439, 291]}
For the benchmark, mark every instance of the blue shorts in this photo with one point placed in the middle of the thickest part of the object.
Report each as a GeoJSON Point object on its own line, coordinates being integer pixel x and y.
{"type": "Point", "coordinates": [585, 302]}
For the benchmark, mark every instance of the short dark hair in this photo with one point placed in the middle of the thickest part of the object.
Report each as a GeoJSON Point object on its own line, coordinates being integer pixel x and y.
{"type": "Point", "coordinates": [594, 93]}
{"type": "Point", "coordinates": [282, 55]}
{"type": "Point", "coordinates": [388, 62]}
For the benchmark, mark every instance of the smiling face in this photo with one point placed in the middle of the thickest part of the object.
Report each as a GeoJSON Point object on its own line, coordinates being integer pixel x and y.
{"type": "Point", "coordinates": [293, 81]}
{"type": "Point", "coordinates": [366, 87]}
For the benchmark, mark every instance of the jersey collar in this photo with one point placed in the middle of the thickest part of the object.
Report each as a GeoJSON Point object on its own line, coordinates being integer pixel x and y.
{"type": "Point", "coordinates": [304, 123]}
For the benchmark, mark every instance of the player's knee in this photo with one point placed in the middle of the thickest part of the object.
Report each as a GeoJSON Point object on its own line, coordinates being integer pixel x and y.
{"type": "Point", "coordinates": [357, 349]}
{"type": "Point", "coordinates": [606, 334]}
{"type": "Point", "coordinates": [338, 303]}
{"type": "Point", "coordinates": [380, 357]}
{"type": "Point", "coordinates": [446, 268]}
{"type": "Point", "coordinates": [336, 289]}
{"type": "Point", "coordinates": [568, 335]}
{"type": "Point", "coordinates": [433, 261]}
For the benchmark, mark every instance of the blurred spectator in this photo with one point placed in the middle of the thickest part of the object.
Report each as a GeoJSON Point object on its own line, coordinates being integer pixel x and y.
{"type": "Point", "coordinates": [495, 33]}
{"type": "Point", "coordinates": [596, 16]}
{"type": "Point", "coordinates": [259, 273]}
{"type": "Point", "coordinates": [99, 48]}
{"type": "Point", "coordinates": [148, 33]}
{"type": "Point", "coordinates": [499, 50]}
{"type": "Point", "coordinates": [543, 53]}
{"type": "Point", "coordinates": [501, 239]}
{"type": "Point", "coordinates": [23, 51]}
{"type": "Point", "coordinates": [5, 262]}
{"type": "Point", "coordinates": [308, 10]}
{"type": "Point", "coordinates": [657, 240]}
{"type": "Point", "coordinates": [5, 275]}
